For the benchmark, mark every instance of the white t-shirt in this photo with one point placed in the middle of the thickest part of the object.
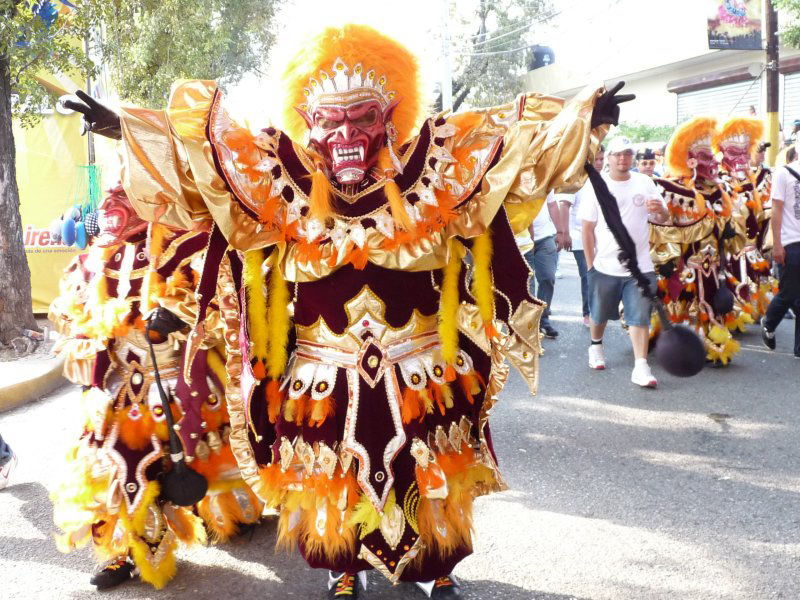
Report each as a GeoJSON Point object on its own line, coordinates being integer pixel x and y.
{"type": "Point", "coordinates": [785, 187]}
{"type": "Point", "coordinates": [575, 223]}
{"type": "Point", "coordinates": [632, 196]}
{"type": "Point", "coordinates": [543, 225]}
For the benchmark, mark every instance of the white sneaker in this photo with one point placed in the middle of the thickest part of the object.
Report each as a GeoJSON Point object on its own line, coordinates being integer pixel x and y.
{"type": "Point", "coordinates": [641, 375]}
{"type": "Point", "coordinates": [5, 470]}
{"type": "Point", "coordinates": [597, 359]}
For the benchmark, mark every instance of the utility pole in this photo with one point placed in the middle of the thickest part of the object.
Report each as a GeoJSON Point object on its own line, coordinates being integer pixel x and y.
{"type": "Point", "coordinates": [773, 88]}
{"type": "Point", "coordinates": [447, 74]}
{"type": "Point", "coordinates": [89, 135]}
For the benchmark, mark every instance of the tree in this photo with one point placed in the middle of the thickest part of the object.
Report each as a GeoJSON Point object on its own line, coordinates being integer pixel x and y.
{"type": "Point", "coordinates": [642, 132]}
{"type": "Point", "coordinates": [146, 44]}
{"type": "Point", "coordinates": [491, 50]}
{"type": "Point", "coordinates": [790, 31]}
{"type": "Point", "coordinates": [33, 38]}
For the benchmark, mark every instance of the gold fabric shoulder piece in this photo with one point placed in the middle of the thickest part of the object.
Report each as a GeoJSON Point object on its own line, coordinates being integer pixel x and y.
{"type": "Point", "coordinates": [545, 145]}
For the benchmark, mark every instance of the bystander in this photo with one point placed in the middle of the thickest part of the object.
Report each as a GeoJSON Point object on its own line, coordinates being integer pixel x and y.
{"type": "Point", "coordinates": [543, 257]}
{"type": "Point", "coordinates": [609, 281]}
{"type": "Point", "coordinates": [786, 252]}
{"type": "Point", "coordinates": [573, 237]}
{"type": "Point", "coordinates": [646, 162]}
{"type": "Point", "coordinates": [8, 460]}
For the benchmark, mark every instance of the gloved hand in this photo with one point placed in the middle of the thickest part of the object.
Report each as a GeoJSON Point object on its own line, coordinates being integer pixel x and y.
{"type": "Point", "coordinates": [163, 322]}
{"type": "Point", "coordinates": [728, 232]}
{"type": "Point", "coordinates": [666, 270]}
{"type": "Point", "coordinates": [606, 109]}
{"type": "Point", "coordinates": [97, 117]}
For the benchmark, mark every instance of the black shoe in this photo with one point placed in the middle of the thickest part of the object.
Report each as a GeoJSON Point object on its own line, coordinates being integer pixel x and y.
{"type": "Point", "coordinates": [767, 336]}
{"type": "Point", "coordinates": [113, 574]}
{"type": "Point", "coordinates": [446, 588]}
{"type": "Point", "coordinates": [344, 588]}
{"type": "Point", "coordinates": [549, 332]}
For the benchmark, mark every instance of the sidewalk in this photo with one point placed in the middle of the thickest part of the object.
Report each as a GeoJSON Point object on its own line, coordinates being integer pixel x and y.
{"type": "Point", "coordinates": [27, 379]}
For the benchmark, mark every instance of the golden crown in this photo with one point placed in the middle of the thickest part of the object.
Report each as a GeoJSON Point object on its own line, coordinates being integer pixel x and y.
{"type": "Point", "coordinates": [343, 86]}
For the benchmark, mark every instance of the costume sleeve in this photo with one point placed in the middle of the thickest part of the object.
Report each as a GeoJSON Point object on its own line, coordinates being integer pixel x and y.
{"type": "Point", "coordinates": [174, 165]}
{"type": "Point", "coordinates": [521, 151]}
{"type": "Point", "coordinates": [514, 308]}
{"type": "Point", "coordinates": [69, 314]}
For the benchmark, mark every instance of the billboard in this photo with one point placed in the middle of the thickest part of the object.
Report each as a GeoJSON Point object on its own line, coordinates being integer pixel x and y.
{"type": "Point", "coordinates": [734, 24]}
{"type": "Point", "coordinates": [52, 176]}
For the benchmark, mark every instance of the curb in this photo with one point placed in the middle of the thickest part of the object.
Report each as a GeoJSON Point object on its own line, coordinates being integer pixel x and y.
{"type": "Point", "coordinates": [17, 394]}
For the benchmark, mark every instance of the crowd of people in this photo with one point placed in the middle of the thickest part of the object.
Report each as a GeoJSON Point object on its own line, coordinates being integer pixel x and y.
{"type": "Point", "coordinates": [708, 233]}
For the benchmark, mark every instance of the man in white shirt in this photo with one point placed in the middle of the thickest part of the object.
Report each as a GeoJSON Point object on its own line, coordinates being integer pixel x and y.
{"type": "Point", "coordinates": [785, 252]}
{"type": "Point", "coordinates": [542, 257]}
{"type": "Point", "coordinates": [609, 281]}
{"type": "Point", "coordinates": [572, 239]}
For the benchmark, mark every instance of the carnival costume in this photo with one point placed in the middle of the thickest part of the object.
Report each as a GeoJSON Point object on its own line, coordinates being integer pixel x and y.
{"type": "Point", "coordinates": [362, 414]}
{"type": "Point", "coordinates": [111, 492]}
{"type": "Point", "coordinates": [748, 268]}
{"type": "Point", "coordinates": [689, 251]}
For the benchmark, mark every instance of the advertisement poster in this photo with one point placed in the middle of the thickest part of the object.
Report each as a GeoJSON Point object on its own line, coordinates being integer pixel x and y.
{"type": "Point", "coordinates": [52, 175]}
{"type": "Point", "coordinates": [734, 24]}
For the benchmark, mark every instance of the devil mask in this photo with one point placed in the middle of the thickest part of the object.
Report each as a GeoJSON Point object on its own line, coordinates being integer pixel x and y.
{"type": "Point", "coordinates": [116, 219]}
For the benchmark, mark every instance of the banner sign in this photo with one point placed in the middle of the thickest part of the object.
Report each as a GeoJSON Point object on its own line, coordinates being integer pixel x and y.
{"type": "Point", "coordinates": [734, 24]}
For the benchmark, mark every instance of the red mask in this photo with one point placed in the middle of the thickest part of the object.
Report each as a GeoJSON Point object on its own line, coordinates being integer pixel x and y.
{"type": "Point", "coordinates": [736, 160]}
{"type": "Point", "coordinates": [116, 219]}
{"type": "Point", "coordinates": [707, 166]}
{"type": "Point", "coordinates": [349, 138]}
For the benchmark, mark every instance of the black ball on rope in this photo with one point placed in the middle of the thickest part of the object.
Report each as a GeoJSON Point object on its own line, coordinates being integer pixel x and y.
{"type": "Point", "coordinates": [680, 351]}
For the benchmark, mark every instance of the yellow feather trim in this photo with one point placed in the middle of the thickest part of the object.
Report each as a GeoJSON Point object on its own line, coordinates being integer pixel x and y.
{"type": "Point", "coordinates": [256, 304]}
{"type": "Point", "coordinates": [720, 345]}
{"type": "Point", "coordinates": [319, 201]}
{"type": "Point", "coordinates": [482, 287]}
{"type": "Point", "coordinates": [448, 303]}
{"type": "Point", "coordinates": [277, 321]}
{"type": "Point", "coordinates": [399, 213]}
{"type": "Point", "coordinates": [217, 365]}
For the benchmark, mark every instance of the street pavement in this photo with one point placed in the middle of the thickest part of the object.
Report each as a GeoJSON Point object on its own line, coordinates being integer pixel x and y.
{"type": "Point", "coordinates": [690, 491]}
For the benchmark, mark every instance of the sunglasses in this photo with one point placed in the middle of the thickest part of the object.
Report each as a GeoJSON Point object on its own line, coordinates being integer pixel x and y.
{"type": "Point", "coordinates": [648, 163]}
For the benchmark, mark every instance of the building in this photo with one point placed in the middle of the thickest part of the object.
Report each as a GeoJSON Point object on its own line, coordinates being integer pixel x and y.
{"type": "Point", "coordinates": [660, 50]}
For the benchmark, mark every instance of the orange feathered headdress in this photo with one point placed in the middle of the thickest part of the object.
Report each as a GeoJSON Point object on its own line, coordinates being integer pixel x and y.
{"type": "Point", "coordinates": [345, 62]}
{"type": "Point", "coordinates": [745, 132]}
{"type": "Point", "coordinates": [695, 133]}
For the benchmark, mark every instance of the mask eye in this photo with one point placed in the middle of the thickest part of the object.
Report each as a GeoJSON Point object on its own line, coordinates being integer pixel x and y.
{"type": "Point", "coordinates": [370, 118]}
{"type": "Point", "coordinates": [326, 123]}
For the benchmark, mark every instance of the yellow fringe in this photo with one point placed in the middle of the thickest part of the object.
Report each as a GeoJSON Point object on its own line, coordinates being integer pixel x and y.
{"type": "Point", "coordinates": [399, 213]}
{"type": "Point", "coordinates": [321, 193]}
{"type": "Point", "coordinates": [448, 304]}
{"type": "Point", "coordinates": [482, 287]}
{"type": "Point", "coordinates": [277, 321]}
{"type": "Point", "coordinates": [256, 308]}
{"type": "Point", "coordinates": [727, 346]}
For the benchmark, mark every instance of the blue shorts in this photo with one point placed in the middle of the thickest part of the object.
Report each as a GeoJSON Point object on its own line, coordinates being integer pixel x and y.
{"type": "Point", "coordinates": [607, 291]}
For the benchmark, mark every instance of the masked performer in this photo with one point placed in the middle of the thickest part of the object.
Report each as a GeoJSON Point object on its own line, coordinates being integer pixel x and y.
{"type": "Point", "coordinates": [689, 253]}
{"type": "Point", "coordinates": [748, 268]}
{"type": "Point", "coordinates": [372, 438]}
{"type": "Point", "coordinates": [111, 495]}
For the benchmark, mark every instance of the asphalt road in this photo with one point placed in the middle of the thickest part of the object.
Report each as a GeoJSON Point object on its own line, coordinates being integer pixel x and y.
{"type": "Point", "coordinates": [688, 491]}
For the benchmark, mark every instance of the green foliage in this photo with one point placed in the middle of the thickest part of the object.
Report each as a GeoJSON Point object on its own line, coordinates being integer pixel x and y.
{"type": "Point", "coordinates": [148, 44]}
{"type": "Point", "coordinates": [490, 50]}
{"type": "Point", "coordinates": [31, 47]}
{"type": "Point", "coordinates": [789, 21]}
{"type": "Point", "coordinates": [642, 132]}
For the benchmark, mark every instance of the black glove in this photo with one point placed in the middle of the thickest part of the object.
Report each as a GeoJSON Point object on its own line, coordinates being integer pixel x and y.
{"type": "Point", "coordinates": [164, 322]}
{"type": "Point", "coordinates": [728, 232]}
{"type": "Point", "coordinates": [96, 117]}
{"type": "Point", "coordinates": [667, 269]}
{"type": "Point", "coordinates": [606, 109]}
